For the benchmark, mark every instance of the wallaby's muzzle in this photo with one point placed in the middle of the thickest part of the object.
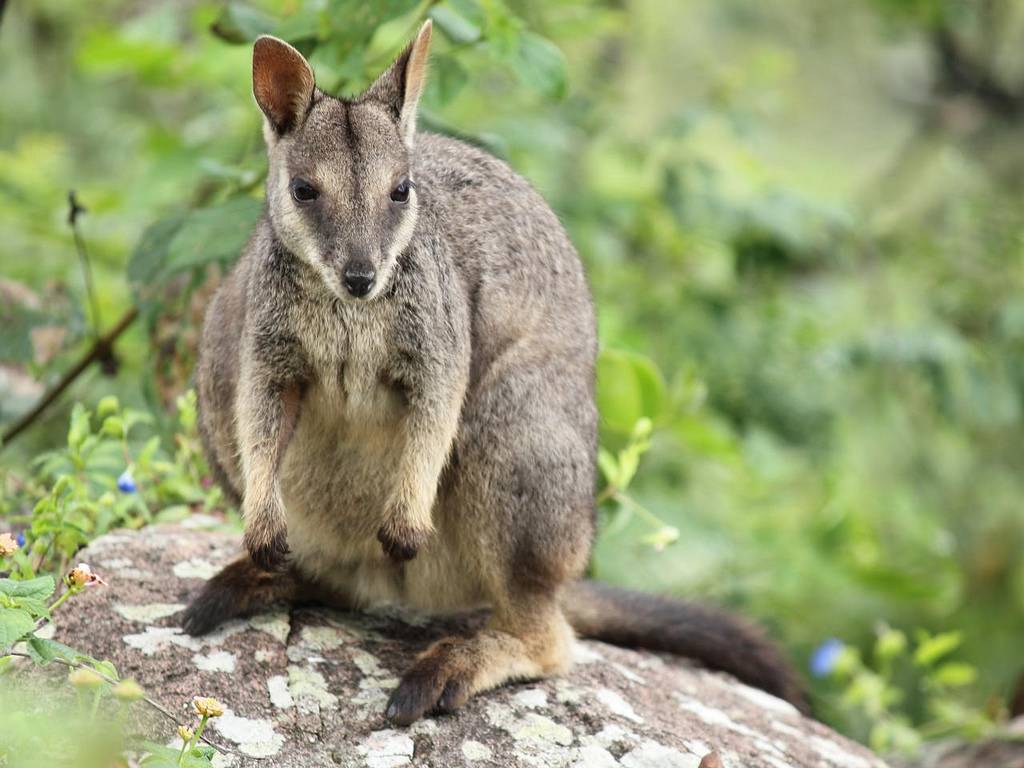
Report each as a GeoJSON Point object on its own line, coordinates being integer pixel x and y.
{"type": "Point", "coordinates": [358, 278]}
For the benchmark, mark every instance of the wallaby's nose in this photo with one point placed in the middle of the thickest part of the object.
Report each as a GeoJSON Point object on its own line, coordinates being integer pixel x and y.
{"type": "Point", "coordinates": [358, 279]}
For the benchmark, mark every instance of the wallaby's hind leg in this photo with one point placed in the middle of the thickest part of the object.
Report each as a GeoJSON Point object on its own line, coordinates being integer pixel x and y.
{"type": "Point", "coordinates": [240, 589]}
{"type": "Point", "coordinates": [522, 506]}
{"type": "Point", "coordinates": [530, 641]}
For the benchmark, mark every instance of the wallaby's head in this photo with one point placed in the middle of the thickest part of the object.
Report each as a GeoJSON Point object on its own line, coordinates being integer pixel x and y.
{"type": "Point", "coordinates": [339, 187]}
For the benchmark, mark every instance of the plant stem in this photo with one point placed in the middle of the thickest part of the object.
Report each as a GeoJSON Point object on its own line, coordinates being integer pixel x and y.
{"type": "Point", "coordinates": [95, 705]}
{"type": "Point", "coordinates": [156, 706]}
{"type": "Point", "coordinates": [60, 600]}
{"type": "Point", "coordinates": [199, 731]}
{"type": "Point", "coordinates": [611, 493]}
{"type": "Point", "coordinates": [76, 210]}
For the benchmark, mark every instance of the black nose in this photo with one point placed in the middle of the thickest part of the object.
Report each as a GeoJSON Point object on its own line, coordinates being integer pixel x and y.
{"type": "Point", "coordinates": [359, 279]}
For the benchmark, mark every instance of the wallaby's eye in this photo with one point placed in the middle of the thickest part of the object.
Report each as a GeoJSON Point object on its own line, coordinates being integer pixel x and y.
{"type": "Point", "coordinates": [303, 191]}
{"type": "Point", "coordinates": [400, 194]}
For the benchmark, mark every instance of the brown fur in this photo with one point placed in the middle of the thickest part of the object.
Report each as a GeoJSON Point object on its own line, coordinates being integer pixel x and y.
{"type": "Point", "coordinates": [429, 441]}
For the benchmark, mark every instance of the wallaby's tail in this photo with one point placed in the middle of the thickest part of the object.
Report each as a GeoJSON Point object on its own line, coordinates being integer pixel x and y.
{"type": "Point", "coordinates": [712, 637]}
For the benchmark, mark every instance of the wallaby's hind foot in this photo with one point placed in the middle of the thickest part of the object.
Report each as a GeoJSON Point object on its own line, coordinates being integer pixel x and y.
{"type": "Point", "coordinates": [240, 589]}
{"type": "Point", "coordinates": [453, 669]}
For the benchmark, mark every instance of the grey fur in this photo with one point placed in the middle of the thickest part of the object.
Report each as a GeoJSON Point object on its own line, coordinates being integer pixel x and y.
{"type": "Point", "coordinates": [432, 444]}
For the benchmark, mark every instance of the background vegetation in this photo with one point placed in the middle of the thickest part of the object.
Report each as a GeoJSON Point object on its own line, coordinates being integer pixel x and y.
{"type": "Point", "coordinates": [803, 227]}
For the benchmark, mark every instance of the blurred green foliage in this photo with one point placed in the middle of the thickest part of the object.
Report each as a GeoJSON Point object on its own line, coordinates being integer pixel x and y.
{"type": "Point", "coordinates": [802, 224]}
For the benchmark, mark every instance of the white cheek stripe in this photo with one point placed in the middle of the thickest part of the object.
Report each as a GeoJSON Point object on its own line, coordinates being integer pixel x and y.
{"type": "Point", "coordinates": [401, 240]}
{"type": "Point", "coordinates": [298, 236]}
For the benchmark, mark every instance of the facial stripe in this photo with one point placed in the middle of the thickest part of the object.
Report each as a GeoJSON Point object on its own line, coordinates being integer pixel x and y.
{"type": "Point", "coordinates": [354, 154]}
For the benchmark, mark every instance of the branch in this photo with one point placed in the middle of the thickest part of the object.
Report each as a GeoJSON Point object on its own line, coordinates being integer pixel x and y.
{"type": "Point", "coordinates": [101, 350]}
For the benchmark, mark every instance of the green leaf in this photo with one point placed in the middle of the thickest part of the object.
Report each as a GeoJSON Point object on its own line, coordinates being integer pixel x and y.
{"type": "Point", "coordinates": [954, 674]}
{"type": "Point", "coordinates": [38, 608]}
{"type": "Point", "coordinates": [14, 624]}
{"type": "Point", "coordinates": [241, 23]}
{"type": "Point", "coordinates": [160, 756]}
{"type": "Point", "coordinates": [78, 430]}
{"type": "Point", "coordinates": [105, 667]}
{"type": "Point", "coordinates": [181, 242]}
{"type": "Point", "coordinates": [147, 259]}
{"type": "Point", "coordinates": [447, 78]}
{"type": "Point", "coordinates": [629, 388]}
{"type": "Point", "coordinates": [38, 588]}
{"type": "Point", "coordinates": [609, 466]}
{"type": "Point", "coordinates": [539, 63]}
{"type": "Point", "coordinates": [457, 27]}
{"type": "Point", "coordinates": [44, 651]}
{"type": "Point", "coordinates": [629, 462]}
{"type": "Point", "coordinates": [470, 10]}
{"type": "Point", "coordinates": [931, 649]}
{"type": "Point", "coordinates": [217, 233]}
{"type": "Point", "coordinates": [107, 406]}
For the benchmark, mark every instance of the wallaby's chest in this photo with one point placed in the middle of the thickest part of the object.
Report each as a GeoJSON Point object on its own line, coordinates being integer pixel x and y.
{"type": "Point", "coordinates": [337, 474]}
{"type": "Point", "coordinates": [349, 350]}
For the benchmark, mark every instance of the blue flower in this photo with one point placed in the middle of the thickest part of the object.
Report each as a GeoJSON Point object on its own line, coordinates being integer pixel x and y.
{"type": "Point", "coordinates": [20, 539]}
{"type": "Point", "coordinates": [126, 483]}
{"type": "Point", "coordinates": [825, 657]}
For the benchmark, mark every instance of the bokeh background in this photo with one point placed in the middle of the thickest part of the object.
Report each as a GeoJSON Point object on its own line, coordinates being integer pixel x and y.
{"type": "Point", "coordinates": [804, 230]}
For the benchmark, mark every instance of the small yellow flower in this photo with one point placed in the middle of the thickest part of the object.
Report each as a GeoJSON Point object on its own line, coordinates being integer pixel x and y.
{"type": "Point", "coordinates": [185, 733]}
{"type": "Point", "coordinates": [207, 707]}
{"type": "Point", "coordinates": [8, 545]}
{"type": "Point", "coordinates": [83, 576]}
{"type": "Point", "coordinates": [84, 678]}
{"type": "Point", "coordinates": [128, 690]}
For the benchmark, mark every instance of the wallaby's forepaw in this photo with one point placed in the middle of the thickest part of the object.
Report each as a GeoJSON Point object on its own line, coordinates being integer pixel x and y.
{"type": "Point", "coordinates": [269, 550]}
{"type": "Point", "coordinates": [440, 681]}
{"type": "Point", "coordinates": [400, 540]}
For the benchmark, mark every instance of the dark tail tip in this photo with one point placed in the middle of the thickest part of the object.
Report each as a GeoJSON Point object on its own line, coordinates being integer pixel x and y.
{"type": "Point", "coordinates": [710, 636]}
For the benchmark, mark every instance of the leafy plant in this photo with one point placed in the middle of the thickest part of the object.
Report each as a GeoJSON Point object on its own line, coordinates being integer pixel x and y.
{"type": "Point", "coordinates": [89, 735]}
{"type": "Point", "coordinates": [877, 695]}
{"type": "Point", "coordinates": [102, 480]}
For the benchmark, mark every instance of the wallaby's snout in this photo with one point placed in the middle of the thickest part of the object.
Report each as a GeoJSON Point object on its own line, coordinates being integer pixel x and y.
{"type": "Point", "coordinates": [359, 277]}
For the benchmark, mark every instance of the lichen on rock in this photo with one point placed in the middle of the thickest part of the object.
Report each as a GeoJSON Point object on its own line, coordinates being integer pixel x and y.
{"type": "Point", "coordinates": [307, 687]}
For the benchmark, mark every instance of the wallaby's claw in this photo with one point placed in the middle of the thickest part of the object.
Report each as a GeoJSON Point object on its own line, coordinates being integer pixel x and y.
{"type": "Point", "coordinates": [400, 541]}
{"type": "Point", "coordinates": [437, 682]}
{"type": "Point", "coordinates": [269, 552]}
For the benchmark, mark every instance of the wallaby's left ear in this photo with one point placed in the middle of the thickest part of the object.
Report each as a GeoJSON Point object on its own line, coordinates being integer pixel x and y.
{"type": "Point", "coordinates": [282, 82]}
{"type": "Point", "coordinates": [399, 88]}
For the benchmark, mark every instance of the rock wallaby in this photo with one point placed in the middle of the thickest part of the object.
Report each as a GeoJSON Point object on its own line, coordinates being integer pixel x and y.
{"type": "Point", "coordinates": [396, 382]}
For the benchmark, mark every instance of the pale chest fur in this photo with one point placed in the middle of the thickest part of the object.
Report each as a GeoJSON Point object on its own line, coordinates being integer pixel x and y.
{"type": "Point", "coordinates": [334, 476]}
{"type": "Point", "coordinates": [338, 473]}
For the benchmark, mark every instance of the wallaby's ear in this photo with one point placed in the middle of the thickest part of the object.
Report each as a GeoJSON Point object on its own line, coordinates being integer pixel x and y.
{"type": "Point", "coordinates": [399, 88]}
{"type": "Point", "coordinates": [282, 82]}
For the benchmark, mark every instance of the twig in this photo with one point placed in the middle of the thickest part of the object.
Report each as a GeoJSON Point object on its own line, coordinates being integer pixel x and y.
{"type": "Point", "coordinates": [75, 210]}
{"type": "Point", "coordinates": [100, 350]}
{"type": "Point", "coordinates": [155, 705]}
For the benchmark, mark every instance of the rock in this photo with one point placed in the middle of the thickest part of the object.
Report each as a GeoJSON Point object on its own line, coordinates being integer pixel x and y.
{"type": "Point", "coordinates": [1003, 751]}
{"type": "Point", "coordinates": [307, 686]}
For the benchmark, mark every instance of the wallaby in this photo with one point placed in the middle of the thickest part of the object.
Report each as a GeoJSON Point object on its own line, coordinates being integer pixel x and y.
{"type": "Point", "coordinates": [396, 381]}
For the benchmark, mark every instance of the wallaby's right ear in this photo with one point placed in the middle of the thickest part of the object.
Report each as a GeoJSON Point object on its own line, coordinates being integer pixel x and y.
{"type": "Point", "coordinates": [282, 82]}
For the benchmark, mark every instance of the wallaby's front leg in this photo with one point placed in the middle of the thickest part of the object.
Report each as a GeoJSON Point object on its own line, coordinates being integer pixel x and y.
{"type": "Point", "coordinates": [267, 414]}
{"type": "Point", "coordinates": [430, 427]}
